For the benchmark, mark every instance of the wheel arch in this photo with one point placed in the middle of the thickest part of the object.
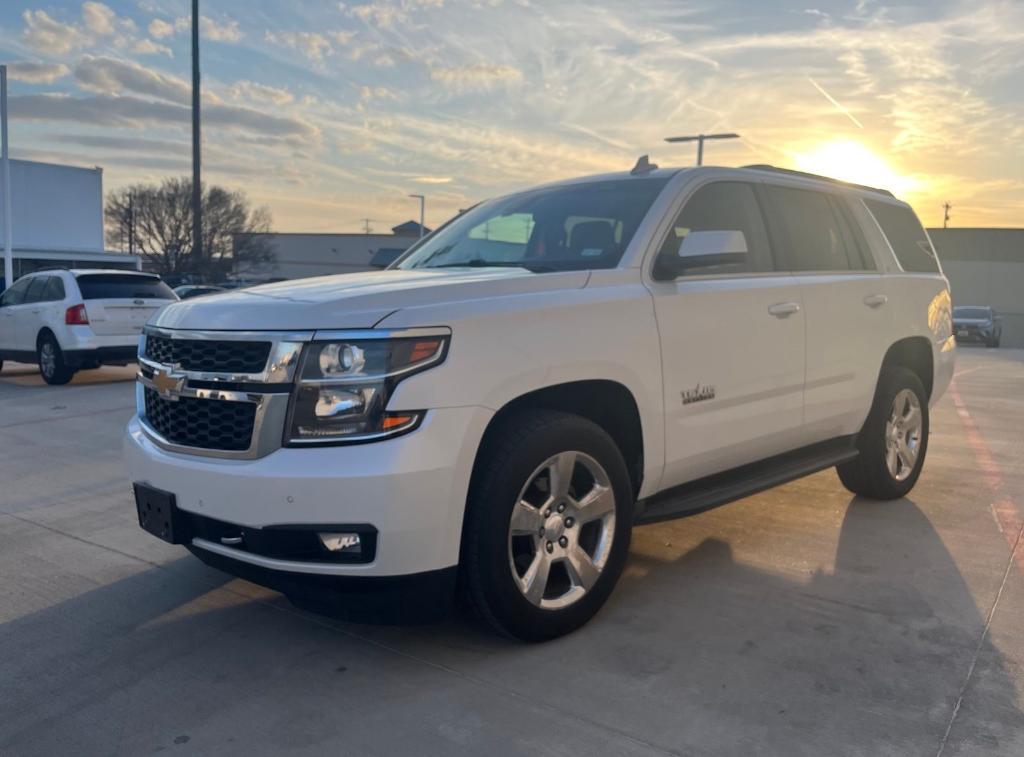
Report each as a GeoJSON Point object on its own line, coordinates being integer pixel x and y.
{"type": "Point", "coordinates": [608, 403]}
{"type": "Point", "coordinates": [44, 332]}
{"type": "Point", "coordinates": [915, 354]}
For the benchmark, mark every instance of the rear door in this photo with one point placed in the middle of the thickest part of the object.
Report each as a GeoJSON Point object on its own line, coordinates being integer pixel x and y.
{"type": "Point", "coordinates": [848, 317]}
{"type": "Point", "coordinates": [30, 318]}
{"type": "Point", "coordinates": [120, 304]}
{"type": "Point", "coordinates": [732, 342]}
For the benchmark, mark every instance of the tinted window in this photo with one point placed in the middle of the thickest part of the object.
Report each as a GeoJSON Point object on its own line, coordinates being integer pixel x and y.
{"type": "Point", "coordinates": [723, 206]}
{"type": "Point", "coordinates": [573, 227]}
{"type": "Point", "coordinates": [906, 235]}
{"type": "Point", "coordinates": [15, 293]}
{"type": "Point", "coordinates": [54, 290]}
{"type": "Point", "coordinates": [104, 286]}
{"type": "Point", "coordinates": [814, 239]}
{"type": "Point", "coordinates": [36, 289]}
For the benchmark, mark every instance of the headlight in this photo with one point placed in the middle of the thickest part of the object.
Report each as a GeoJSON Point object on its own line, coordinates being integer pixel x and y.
{"type": "Point", "coordinates": [344, 386]}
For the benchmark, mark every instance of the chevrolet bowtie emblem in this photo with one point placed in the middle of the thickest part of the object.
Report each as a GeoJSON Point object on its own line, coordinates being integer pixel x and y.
{"type": "Point", "coordinates": [165, 382]}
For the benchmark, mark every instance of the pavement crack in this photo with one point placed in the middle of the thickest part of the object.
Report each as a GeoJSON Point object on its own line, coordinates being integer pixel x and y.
{"type": "Point", "coordinates": [1010, 560]}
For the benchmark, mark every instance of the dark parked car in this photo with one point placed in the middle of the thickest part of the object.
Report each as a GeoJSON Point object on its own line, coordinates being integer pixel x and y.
{"type": "Point", "coordinates": [188, 291]}
{"type": "Point", "coordinates": [972, 323]}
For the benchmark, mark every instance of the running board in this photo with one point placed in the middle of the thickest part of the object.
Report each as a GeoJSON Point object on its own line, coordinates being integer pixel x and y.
{"type": "Point", "coordinates": [721, 488]}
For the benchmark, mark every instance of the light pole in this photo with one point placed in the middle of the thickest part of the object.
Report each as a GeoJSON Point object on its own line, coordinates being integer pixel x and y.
{"type": "Point", "coordinates": [8, 237]}
{"type": "Point", "coordinates": [197, 186]}
{"type": "Point", "coordinates": [423, 203]}
{"type": "Point", "coordinates": [699, 139]}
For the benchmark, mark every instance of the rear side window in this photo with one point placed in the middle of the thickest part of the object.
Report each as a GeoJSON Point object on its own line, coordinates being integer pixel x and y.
{"type": "Point", "coordinates": [36, 289]}
{"type": "Point", "coordinates": [906, 235]}
{"type": "Point", "coordinates": [812, 232]}
{"type": "Point", "coordinates": [114, 286]}
{"type": "Point", "coordinates": [722, 206]}
{"type": "Point", "coordinates": [54, 291]}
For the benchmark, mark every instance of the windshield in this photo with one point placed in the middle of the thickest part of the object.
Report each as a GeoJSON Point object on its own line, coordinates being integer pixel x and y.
{"type": "Point", "coordinates": [974, 313]}
{"type": "Point", "coordinates": [567, 228]}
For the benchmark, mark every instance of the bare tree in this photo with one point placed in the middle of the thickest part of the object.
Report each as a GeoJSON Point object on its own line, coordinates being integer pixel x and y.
{"type": "Point", "coordinates": [161, 219]}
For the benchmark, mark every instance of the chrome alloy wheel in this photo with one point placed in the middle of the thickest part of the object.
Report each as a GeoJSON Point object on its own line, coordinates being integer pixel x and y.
{"type": "Point", "coordinates": [561, 530]}
{"type": "Point", "coordinates": [903, 435]}
{"type": "Point", "coordinates": [47, 359]}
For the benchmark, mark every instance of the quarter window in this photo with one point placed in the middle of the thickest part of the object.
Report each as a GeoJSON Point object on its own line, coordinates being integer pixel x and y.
{"type": "Point", "coordinates": [722, 206]}
{"type": "Point", "coordinates": [906, 235]}
{"type": "Point", "coordinates": [814, 239]}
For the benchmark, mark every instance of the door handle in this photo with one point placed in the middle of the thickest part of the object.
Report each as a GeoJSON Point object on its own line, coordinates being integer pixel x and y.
{"type": "Point", "coordinates": [875, 300]}
{"type": "Point", "coordinates": [784, 309]}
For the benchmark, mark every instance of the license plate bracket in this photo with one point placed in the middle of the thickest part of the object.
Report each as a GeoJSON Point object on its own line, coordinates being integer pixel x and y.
{"type": "Point", "coordinates": [158, 514]}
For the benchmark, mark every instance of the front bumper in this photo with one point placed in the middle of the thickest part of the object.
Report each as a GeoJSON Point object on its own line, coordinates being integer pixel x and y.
{"type": "Point", "coordinates": [412, 489]}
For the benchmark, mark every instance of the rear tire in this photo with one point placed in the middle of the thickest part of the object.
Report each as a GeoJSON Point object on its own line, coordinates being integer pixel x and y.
{"type": "Point", "coordinates": [548, 525]}
{"type": "Point", "coordinates": [51, 361]}
{"type": "Point", "coordinates": [894, 440]}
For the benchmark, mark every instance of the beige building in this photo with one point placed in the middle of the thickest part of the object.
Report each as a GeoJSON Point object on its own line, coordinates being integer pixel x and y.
{"type": "Point", "coordinates": [986, 267]}
{"type": "Point", "coordinates": [297, 256]}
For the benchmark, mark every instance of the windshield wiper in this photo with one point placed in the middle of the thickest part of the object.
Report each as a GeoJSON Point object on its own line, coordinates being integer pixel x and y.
{"type": "Point", "coordinates": [481, 263]}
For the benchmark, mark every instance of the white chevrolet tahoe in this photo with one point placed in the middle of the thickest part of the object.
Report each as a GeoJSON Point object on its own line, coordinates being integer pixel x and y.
{"type": "Point", "coordinates": [495, 411]}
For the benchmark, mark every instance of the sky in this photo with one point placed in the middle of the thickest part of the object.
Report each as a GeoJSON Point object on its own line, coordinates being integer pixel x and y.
{"type": "Point", "coordinates": [332, 112]}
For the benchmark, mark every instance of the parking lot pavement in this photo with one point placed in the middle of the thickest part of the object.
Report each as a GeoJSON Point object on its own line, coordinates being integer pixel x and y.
{"type": "Point", "coordinates": [802, 621]}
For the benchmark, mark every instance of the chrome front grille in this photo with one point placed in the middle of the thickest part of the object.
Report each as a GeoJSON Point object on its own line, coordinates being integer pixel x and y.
{"type": "Point", "coordinates": [217, 393]}
{"type": "Point", "coordinates": [209, 355]}
{"type": "Point", "coordinates": [203, 423]}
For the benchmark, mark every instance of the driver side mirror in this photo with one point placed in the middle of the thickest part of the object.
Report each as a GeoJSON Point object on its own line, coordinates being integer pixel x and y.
{"type": "Point", "coordinates": [704, 249]}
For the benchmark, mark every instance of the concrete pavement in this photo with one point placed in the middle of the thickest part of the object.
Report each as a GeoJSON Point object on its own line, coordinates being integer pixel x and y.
{"type": "Point", "coordinates": [801, 621]}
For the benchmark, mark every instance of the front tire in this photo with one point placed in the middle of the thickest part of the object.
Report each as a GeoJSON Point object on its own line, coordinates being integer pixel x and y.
{"type": "Point", "coordinates": [51, 362]}
{"type": "Point", "coordinates": [548, 525]}
{"type": "Point", "coordinates": [894, 440]}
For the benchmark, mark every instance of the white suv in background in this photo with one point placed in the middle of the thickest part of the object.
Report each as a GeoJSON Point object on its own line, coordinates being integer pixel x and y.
{"type": "Point", "coordinates": [498, 408]}
{"type": "Point", "coordinates": [66, 320]}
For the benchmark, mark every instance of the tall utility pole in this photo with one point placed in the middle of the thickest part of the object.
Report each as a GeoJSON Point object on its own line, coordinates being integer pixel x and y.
{"type": "Point", "coordinates": [366, 225]}
{"type": "Point", "coordinates": [197, 186]}
{"type": "Point", "coordinates": [945, 218]}
{"type": "Point", "coordinates": [699, 139]}
{"type": "Point", "coordinates": [6, 158]}
{"type": "Point", "coordinates": [423, 203]}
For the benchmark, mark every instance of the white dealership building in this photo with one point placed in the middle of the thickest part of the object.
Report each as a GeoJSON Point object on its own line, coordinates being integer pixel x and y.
{"type": "Point", "coordinates": [57, 218]}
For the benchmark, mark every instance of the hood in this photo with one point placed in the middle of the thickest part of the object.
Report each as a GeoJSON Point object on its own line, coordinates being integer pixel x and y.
{"type": "Point", "coordinates": [354, 300]}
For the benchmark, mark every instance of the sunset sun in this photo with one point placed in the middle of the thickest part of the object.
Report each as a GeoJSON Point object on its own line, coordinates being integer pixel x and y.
{"type": "Point", "coordinates": [852, 161]}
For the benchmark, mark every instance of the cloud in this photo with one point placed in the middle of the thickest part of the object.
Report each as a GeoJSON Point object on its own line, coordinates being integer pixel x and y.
{"type": "Point", "coordinates": [111, 76]}
{"type": "Point", "coordinates": [313, 45]}
{"type": "Point", "coordinates": [99, 18]}
{"type": "Point", "coordinates": [126, 111]}
{"type": "Point", "coordinates": [47, 34]}
{"type": "Point", "coordinates": [376, 93]}
{"type": "Point", "coordinates": [34, 72]}
{"type": "Point", "coordinates": [260, 93]}
{"type": "Point", "coordinates": [149, 47]}
{"type": "Point", "coordinates": [159, 28]}
{"type": "Point", "coordinates": [475, 76]}
{"type": "Point", "coordinates": [432, 179]}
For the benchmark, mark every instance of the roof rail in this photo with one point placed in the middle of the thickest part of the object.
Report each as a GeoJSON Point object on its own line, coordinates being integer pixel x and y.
{"type": "Point", "coordinates": [817, 177]}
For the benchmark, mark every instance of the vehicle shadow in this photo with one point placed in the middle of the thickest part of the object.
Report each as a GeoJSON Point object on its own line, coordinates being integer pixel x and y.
{"type": "Point", "coordinates": [694, 654]}
{"type": "Point", "coordinates": [27, 374]}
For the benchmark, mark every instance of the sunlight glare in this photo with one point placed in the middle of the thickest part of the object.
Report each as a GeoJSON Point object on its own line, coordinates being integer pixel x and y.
{"type": "Point", "coordinates": [852, 161]}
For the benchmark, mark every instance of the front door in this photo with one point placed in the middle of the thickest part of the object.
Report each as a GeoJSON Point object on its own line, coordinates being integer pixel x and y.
{"type": "Point", "coordinates": [732, 342]}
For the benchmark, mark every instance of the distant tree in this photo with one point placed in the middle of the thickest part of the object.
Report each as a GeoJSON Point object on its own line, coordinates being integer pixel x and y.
{"type": "Point", "coordinates": [232, 229]}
